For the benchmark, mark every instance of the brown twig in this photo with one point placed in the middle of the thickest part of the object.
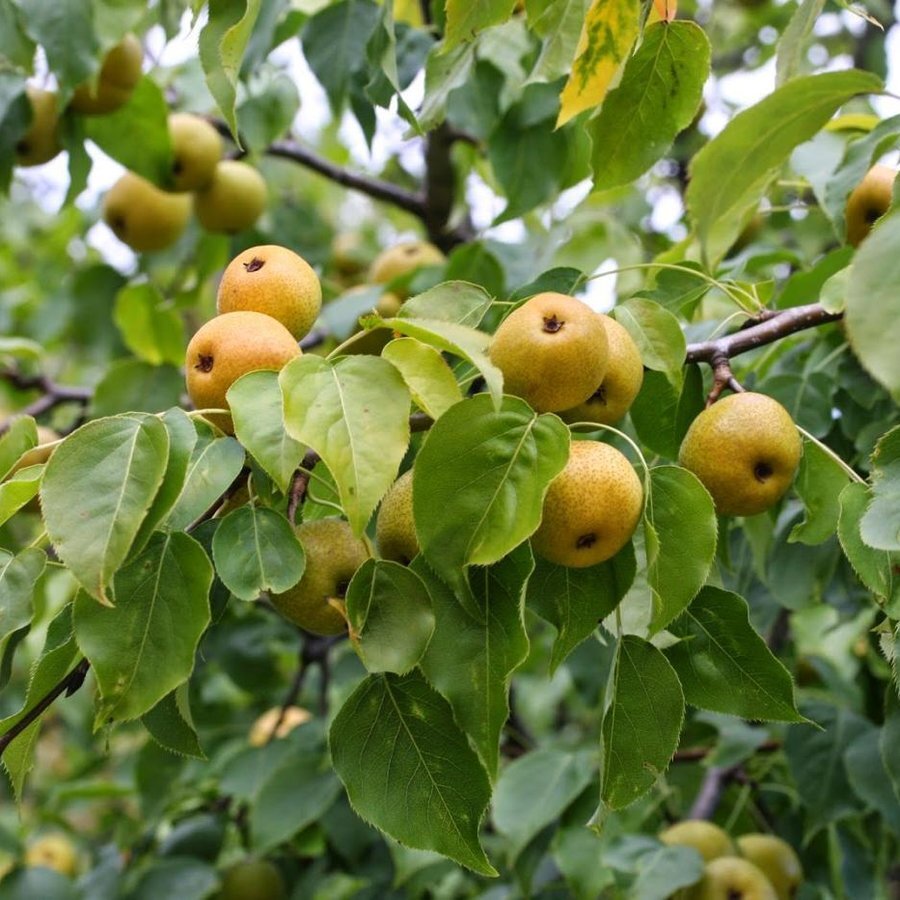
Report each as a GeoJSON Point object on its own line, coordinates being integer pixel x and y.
{"type": "Point", "coordinates": [710, 794]}
{"type": "Point", "coordinates": [68, 685]}
{"type": "Point", "coordinates": [52, 395]}
{"type": "Point", "coordinates": [695, 754]}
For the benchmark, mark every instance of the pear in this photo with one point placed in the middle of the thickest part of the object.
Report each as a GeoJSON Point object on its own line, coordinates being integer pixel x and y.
{"type": "Point", "coordinates": [552, 350]}
{"type": "Point", "coordinates": [253, 879]}
{"type": "Point", "coordinates": [591, 508]}
{"type": "Point", "coordinates": [868, 202]}
{"type": "Point", "coordinates": [621, 384]}
{"type": "Point", "coordinates": [229, 346]}
{"type": "Point", "coordinates": [119, 74]}
{"type": "Point", "coordinates": [732, 878]}
{"type": "Point", "coordinates": [348, 254]}
{"type": "Point", "coordinates": [395, 531]}
{"type": "Point", "coordinates": [40, 143]}
{"type": "Point", "coordinates": [333, 554]}
{"type": "Point", "coordinates": [143, 216]}
{"type": "Point", "coordinates": [53, 851]}
{"type": "Point", "coordinates": [261, 730]}
{"type": "Point", "coordinates": [776, 859]}
{"type": "Point", "coordinates": [272, 280]}
{"type": "Point", "coordinates": [745, 449]}
{"type": "Point", "coordinates": [401, 261]}
{"type": "Point", "coordinates": [233, 200]}
{"type": "Point", "coordinates": [706, 838]}
{"type": "Point", "coordinates": [196, 151]}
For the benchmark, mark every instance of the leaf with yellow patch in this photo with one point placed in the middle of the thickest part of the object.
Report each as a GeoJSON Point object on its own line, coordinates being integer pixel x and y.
{"type": "Point", "coordinates": [609, 32]}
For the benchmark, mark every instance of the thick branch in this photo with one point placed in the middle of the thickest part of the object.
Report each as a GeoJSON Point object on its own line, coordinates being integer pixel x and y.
{"type": "Point", "coordinates": [67, 685]}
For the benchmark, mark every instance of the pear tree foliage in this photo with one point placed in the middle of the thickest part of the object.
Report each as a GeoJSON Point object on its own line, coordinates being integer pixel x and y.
{"type": "Point", "coordinates": [485, 716]}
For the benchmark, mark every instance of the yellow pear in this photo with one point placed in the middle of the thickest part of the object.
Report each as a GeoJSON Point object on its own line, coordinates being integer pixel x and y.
{"type": "Point", "coordinates": [402, 260]}
{"type": "Point", "coordinates": [53, 851]}
{"type": "Point", "coordinates": [41, 142]}
{"type": "Point", "coordinates": [253, 879]}
{"type": "Point", "coordinates": [776, 859]}
{"type": "Point", "coordinates": [233, 200]}
{"type": "Point", "coordinates": [745, 449]}
{"type": "Point", "coordinates": [395, 531]}
{"type": "Point", "coordinates": [706, 838]}
{"type": "Point", "coordinates": [275, 281]}
{"type": "Point", "coordinates": [621, 384]}
{"type": "Point", "coordinates": [732, 878]}
{"type": "Point", "coordinates": [196, 151]}
{"type": "Point", "coordinates": [119, 74]}
{"type": "Point", "coordinates": [333, 554]}
{"type": "Point", "coordinates": [229, 346]}
{"type": "Point", "coordinates": [868, 202]}
{"type": "Point", "coordinates": [552, 350]}
{"type": "Point", "coordinates": [143, 216]}
{"type": "Point", "coordinates": [261, 730]}
{"type": "Point", "coordinates": [591, 508]}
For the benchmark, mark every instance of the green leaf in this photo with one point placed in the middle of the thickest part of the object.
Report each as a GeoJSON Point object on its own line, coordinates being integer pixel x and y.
{"type": "Point", "coordinates": [98, 487]}
{"type": "Point", "coordinates": [657, 334]}
{"type": "Point", "coordinates": [390, 614]}
{"type": "Point", "coordinates": [64, 28]}
{"type": "Point", "coordinates": [257, 409]}
{"type": "Point", "coordinates": [409, 770]}
{"type": "Point", "coordinates": [18, 575]}
{"type": "Point", "coordinates": [792, 44]}
{"type": "Point", "coordinates": [867, 774]}
{"type": "Point", "coordinates": [16, 48]}
{"type": "Point", "coordinates": [732, 172]}
{"type": "Point", "coordinates": [465, 18]}
{"type": "Point", "coordinates": [889, 742]}
{"type": "Point", "coordinates": [354, 412]}
{"type": "Point", "coordinates": [134, 384]}
{"type": "Point", "coordinates": [150, 325]}
{"type": "Point", "coordinates": [662, 413]}
{"type": "Point", "coordinates": [213, 467]}
{"type": "Point", "coordinates": [222, 44]}
{"type": "Point", "coordinates": [137, 136]}
{"type": "Point", "coordinates": [880, 526]}
{"type": "Point", "coordinates": [682, 517]}
{"type": "Point", "coordinates": [186, 878]}
{"type": "Point", "coordinates": [536, 789]}
{"type": "Point", "coordinates": [170, 724]}
{"type": "Point", "coordinates": [725, 666]}
{"type": "Point", "coordinates": [874, 568]}
{"type": "Point", "coordinates": [642, 723]}
{"type": "Point", "coordinates": [458, 302]}
{"type": "Point", "coordinates": [381, 52]}
{"type": "Point", "coordinates": [334, 44]}
{"type": "Point", "coordinates": [27, 882]}
{"type": "Point", "coordinates": [559, 27]}
{"type": "Point", "coordinates": [806, 396]}
{"type": "Point", "coordinates": [472, 655]}
{"type": "Point", "coordinates": [18, 490]}
{"type": "Point", "coordinates": [426, 373]}
{"type": "Point", "coordinates": [54, 664]}
{"type": "Point", "coordinates": [255, 549]}
{"type": "Point", "coordinates": [575, 601]}
{"type": "Point", "coordinates": [144, 647]}
{"type": "Point", "coordinates": [873, 305]}
{"type": "Point", "coordinates": [819, 483]}
{"type": "Point", "coordinates": [479, 481]}
{"type": "Point", "coordinates": [658, 96]}
{"type": "Point", "coordinates": [18, 439]}
{"type": "Point", "coordinates": [444, 73]}
{"type": "Point", "coordinates": [662, 871]}
{"type": "Point", "coordinates": [460, 340]}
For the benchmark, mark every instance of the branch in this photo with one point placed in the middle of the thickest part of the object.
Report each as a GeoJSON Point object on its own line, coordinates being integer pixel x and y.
{"type": "Point", "coordinates": [69, 684]}
{"type": "Point", "coordinates": [52, 395]}
{"type": "Point", "coordinates": [710, 793]}
{"type": "Point", "coordinates": [440, 188]}
{"type": "Point", "coordinates": [695, 754]}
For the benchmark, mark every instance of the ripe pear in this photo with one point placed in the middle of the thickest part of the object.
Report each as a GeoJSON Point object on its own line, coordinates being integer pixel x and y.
{"type": "Point", "coordinates": [776, 859]}
{"type": "Point", "coordinates": [41, 142]}
{"type": "Point", "coordinates": [119, 74]}
{"type": "Point", "coordinates": [745, 449]}
{"type": "Point", "coordinates": [275, 281]}
{"type": "Point", "coordinates": [261, 730]}
{"type": "Point", "coordinates": [621, 384]}
{"type": "Point", "coordinates": [253, 879]}
{"type": "Point", "coordinates": [143, 216]}
{"type": "Point", "coordinates": [552, 350]}
{"type": "Point", "coordinates": [53, 851]}
{"type": "Point", "coordinates": [591, 508]}
{"type": "Point", "coordinates": [196, 151]}
{"type": "Point", "coordinates": [868, 202]}
{"type": "Point", "coordinates": [706, 838]}
{"type": "Point", "coordinates": [388, 305]}
{"type": "Point", "coordinates": [732, 878]}
{"type": "Point", "coordinates": [402, 260]}
{"type": "Point", "coordinates": [233, 200]}
{"type": "Point", "coordinates": [229, 346]}
{"type": "Point", "coordinates": [395, 531]}
{"type": "Point", "coordinates": [333, 554]}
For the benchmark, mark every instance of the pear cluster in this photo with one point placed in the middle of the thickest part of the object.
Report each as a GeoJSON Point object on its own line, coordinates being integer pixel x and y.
{"type": "Point", "coordinates": [755, 867]}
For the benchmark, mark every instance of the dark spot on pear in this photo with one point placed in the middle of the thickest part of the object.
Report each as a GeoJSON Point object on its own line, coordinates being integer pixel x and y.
{"type": "Point", "coordinates": [117, 223]}
{"type": "Point", "coordinates": [873, 215]}
{"type": "Point", "coordinates": [204, 364]}
{"type": "Point", "coordinates": [762, 471]}
{"type": "Point", "coordinates": [586, 541]}
{"type": "Point", "coordinates": [599, 396]}
{"type": "Point", "coordinates": [341, 589]}
{"type": "Point", "coordinates": [255, 264]}
{"type": "Point", "coordinates": [552, 324]}
{"type": "Point", "coordinates": [734, 894]}
{"type": "Point", "coordinates": [177, 167]}
{"type": "Point", "coordinates": [22, 147]}
{"type": "Point", "coordinates": [410, 251]}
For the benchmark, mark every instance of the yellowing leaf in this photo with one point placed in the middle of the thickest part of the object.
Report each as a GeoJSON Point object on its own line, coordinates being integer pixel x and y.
{"type": "Point", "coordinates": [662, 11]}
{"type": "Point", "coordinates": [609, 32]}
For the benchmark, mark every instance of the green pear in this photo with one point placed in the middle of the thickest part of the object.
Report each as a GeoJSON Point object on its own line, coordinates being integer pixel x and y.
{"type": "Point", "coordinates": [119, 75]}
{"type": "Point", "coordinates": [395, 531]}
{"type": "Point", "coordinates": [706, 838]}
{"type": "Point", "coordinates": [233, 200]}
{"type": "Point", "coordinates": [732, 878]}
{"type": "Point", "coordinates": [196, 151]}
{"type": "Point", "coordinates": [253, 879]}
{"type": "Point", "coordinates": [40, 143]}
{"type": "Point", "coordinates": [776, 859]}
{"type": "Point", "coordinates": [143, 216]}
